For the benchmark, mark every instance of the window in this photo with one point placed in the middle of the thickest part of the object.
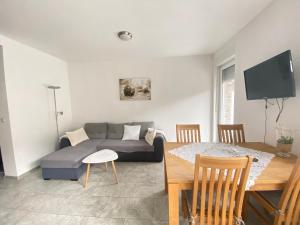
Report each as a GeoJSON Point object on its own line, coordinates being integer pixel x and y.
{"type": "Point", "coordinates": [226, 110]}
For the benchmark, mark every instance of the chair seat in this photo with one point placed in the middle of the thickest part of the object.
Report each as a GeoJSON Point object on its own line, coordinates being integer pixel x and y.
{"type": "Point", "coordinates": [272, 196]}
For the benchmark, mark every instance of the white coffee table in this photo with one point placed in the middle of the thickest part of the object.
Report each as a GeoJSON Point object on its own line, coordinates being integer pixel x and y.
{"type": "Point", "coordinates": [102, 156]}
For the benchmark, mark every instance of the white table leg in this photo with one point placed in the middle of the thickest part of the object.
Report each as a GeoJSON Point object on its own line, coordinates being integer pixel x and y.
{"type": "Point", "coordinates": [87, 175]}
{"type": "Point", "coordinates": [115, 172]}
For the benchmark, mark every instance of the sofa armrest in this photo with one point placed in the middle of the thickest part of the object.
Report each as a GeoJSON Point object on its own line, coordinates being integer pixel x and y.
{"type": "Point", "coordinates": [64, 142]}
{"type": "Point", "coordinates": [158, 144]}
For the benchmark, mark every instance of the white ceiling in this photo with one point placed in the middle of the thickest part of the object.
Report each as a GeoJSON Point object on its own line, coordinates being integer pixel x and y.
{"type": "Point", "coordinates": [79, 30]}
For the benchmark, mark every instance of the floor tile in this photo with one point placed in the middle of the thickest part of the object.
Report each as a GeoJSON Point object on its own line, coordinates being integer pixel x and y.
{"type": "Point", "coordinates": [39, 185]}
{"type": "Point", "coordinates": [8, 182]}
{"type": "Point", "coordinates": [42, 219]}
{"type": "Point", "coordinates": [143, 222]}
{"type": "Point", "coordinates": [12, 199]}
{"type": "Point", "coordinates": [101, 221]}
{"type": "Point", "coordinates": [113, 190]}
{"type": "Point", "coordinates": [148, 190]}
{"type": "Point", "coordinates": [161, 209]}
{"type": "Point", "coordinates": [83, 220]}
{"type": "Point", "coordinates": [128, 208]}
{"type": "Point", "coordinates": [11, 217]}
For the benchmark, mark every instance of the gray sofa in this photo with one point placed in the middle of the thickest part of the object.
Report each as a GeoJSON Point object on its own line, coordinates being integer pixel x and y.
{"type": "Point", "coordinates": [66, 163]}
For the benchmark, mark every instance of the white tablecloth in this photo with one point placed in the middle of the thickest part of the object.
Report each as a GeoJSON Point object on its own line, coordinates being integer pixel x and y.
{"type": "Point", "coordinates": [188, 152]}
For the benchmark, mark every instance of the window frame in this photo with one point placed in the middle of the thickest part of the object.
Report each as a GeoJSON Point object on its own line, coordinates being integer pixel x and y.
{"type": "Point", "coordinates": [217, 95]}
{"type": "Point", "coordinates": [220, 89]}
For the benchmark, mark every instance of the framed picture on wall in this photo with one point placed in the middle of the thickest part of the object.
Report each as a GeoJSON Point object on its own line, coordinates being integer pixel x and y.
{"type": "Point", "coordinates": [132, 89]}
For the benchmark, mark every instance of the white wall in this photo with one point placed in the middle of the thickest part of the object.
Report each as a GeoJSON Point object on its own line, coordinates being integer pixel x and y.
{"type": "Point", "coordinates": [30, 103]}
{"type": "Point", "coordinates": [181, 92]}
{"type": "Point", "coordinates": [272, 32]}
{"type": "Point", "coordinates": [6, 144]}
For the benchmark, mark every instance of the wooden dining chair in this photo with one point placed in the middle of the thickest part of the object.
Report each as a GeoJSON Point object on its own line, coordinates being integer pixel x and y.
{"type": "Point", "coordinates": [218, 191]}
{"type": "Point", "coordinates": [282, 209]}
{"type": "Point", "coordinates": [188, 133]}
{"type": "Point", "coordinates": [231, 134]}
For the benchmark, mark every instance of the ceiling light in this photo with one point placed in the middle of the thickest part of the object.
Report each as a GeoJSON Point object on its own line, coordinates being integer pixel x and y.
{"type": "Point", "coordinates": [125, 35]}
{"type": "Point", "coordinates": [53, 87]}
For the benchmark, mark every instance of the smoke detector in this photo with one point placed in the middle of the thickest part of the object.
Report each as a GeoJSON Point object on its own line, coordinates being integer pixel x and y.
{"type": "Point", "coordinates": [125, 35]}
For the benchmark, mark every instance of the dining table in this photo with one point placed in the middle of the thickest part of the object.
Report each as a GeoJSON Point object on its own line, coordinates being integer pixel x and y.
{"type": "Point", "coordinates": [179, 174]}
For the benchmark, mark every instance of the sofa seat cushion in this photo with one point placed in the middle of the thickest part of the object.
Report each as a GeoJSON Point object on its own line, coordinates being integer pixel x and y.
{"type": "Point", "coordinates": [70, 157]}
{"type": "Point", "coordinates": [126, 146]}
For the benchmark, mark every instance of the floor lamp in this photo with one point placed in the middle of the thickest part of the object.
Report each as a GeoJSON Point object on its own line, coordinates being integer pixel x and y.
{"type": "Point", "coordinates": [54, 88]}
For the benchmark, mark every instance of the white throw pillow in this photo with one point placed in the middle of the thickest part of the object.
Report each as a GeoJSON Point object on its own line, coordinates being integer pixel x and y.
{"type": "Point", "coordinates": [131, 132]}
{"type": "Point", "coordinates": [161, 132]}
{"type": "Point", "coordinates": [149, 138]}
{"type": "Point", "coordinates": [77, 136]}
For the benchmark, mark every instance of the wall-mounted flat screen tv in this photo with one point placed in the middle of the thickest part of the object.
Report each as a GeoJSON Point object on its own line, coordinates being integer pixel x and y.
{"type": "Point", "coordinates": [273, 78]}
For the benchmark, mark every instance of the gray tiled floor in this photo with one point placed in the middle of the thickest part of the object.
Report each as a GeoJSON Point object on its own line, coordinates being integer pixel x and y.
{"type": "Point", "coordinates": [138, 199]}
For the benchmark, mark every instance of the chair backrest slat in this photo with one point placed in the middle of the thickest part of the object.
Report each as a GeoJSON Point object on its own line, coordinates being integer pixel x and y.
{"type": "Point", "coordinates": [293, 200]}
{"type": "Point", "coordinates": [211, 195]}
{"type": "Point", "coordinates": [234, 187]}
{"type": "Point", "coordinates": [203, 195]}
{"type": "Point", "coordinates": [188, 133]}
{"type": "Point", "coordinates": [290, 200]}
{"type": "Point", "coordinates": [296, 217]}
{"type": "Point", "coordinates": [231, 134]}
{"type": "Point", "coordinates": [220, 182]}
{"type": "Point", "coordinates": [218, 196]}
{"type": "Point", "coordinates": [195, 189]}
{"type": "Point", "coordinates": [225, 196]}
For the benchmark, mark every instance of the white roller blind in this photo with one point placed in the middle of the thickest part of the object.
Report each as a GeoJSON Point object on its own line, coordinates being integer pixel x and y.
{"type": "Point", "coordinates": [227, 102]}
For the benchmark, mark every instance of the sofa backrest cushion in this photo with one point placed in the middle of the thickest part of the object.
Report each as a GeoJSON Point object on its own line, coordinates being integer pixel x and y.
{"type": "Point", "coordinates": [144, 127]}
{"type": "Point", "coordinates": [96, 130]}
{"type": "Point", "coordinates": [116, 130]}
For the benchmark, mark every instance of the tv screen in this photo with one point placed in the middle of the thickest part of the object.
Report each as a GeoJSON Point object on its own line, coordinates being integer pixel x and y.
{"type": "Point", "coordinates": [273, 78]}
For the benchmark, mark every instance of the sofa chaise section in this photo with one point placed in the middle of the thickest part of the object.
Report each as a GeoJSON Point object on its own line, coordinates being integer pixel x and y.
{"type": "Point", "coordinates": [66, 163]}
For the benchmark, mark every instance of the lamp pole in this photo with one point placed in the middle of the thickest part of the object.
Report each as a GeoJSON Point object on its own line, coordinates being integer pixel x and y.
{"type": "Point", "coordinates": [54, 88]}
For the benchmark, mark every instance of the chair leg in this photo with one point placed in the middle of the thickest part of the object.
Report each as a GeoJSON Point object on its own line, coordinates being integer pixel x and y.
{"type": "Point", "coordinates": [166, 179]}
{"type": "Point", "coordinates": [245, 206]}
{"type": "Point", "coordinates": [184, 205]}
